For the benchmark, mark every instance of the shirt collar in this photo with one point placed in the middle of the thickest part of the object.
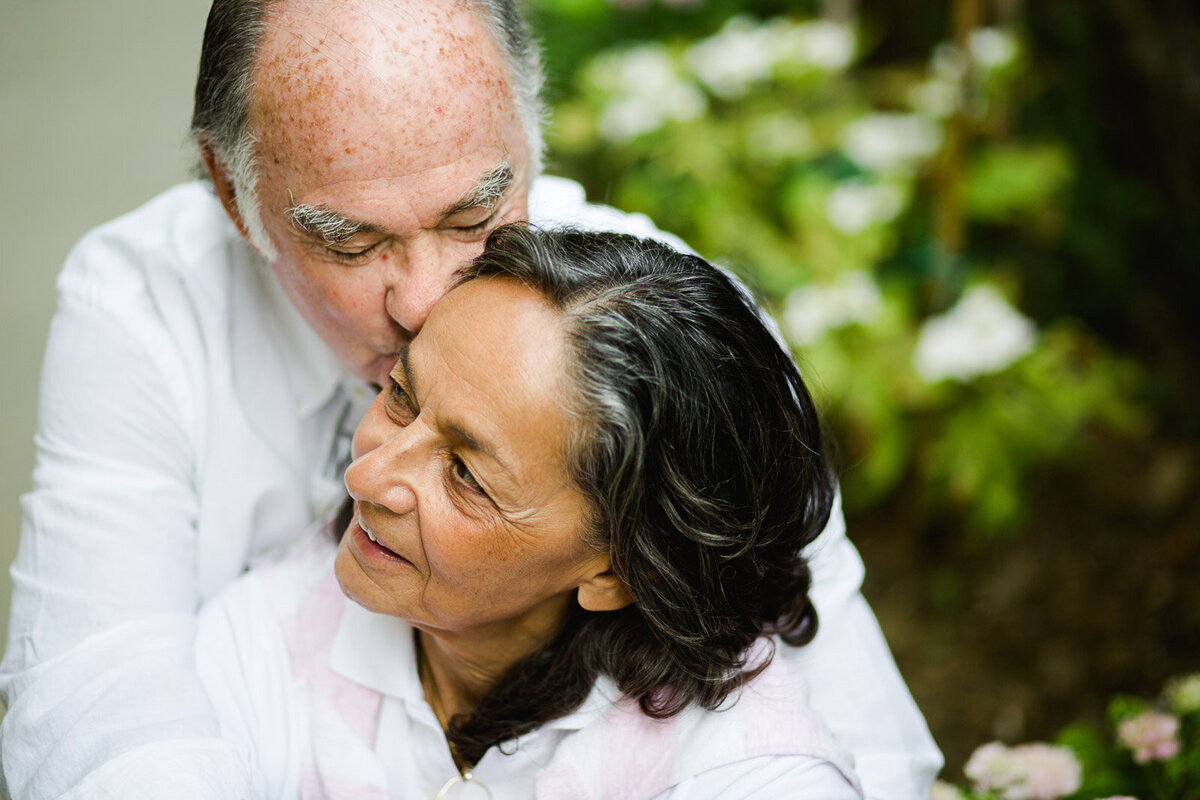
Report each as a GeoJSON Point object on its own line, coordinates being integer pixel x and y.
{"type": "Point", "coordinates": [377, 651]}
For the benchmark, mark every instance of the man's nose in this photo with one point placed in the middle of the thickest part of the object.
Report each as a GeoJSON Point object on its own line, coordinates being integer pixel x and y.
{"type": "Point", "coordinates": [416, 278]}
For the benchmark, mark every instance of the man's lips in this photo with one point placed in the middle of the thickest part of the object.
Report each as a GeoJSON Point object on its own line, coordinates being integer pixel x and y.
{"type": "Point", "coordinates": [377, 369]}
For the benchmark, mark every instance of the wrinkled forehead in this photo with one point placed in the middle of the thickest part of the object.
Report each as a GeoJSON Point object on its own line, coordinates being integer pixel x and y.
{"type": "Point", "coordinates": [325, 65]}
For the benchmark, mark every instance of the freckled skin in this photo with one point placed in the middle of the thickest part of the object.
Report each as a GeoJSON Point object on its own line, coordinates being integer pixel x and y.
{"type": "Point", "coordinates": [387, 117]}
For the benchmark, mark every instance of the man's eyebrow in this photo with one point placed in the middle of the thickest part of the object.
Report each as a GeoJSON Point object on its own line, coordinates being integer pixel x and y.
{"type": "Point", "coordinates": [327, 225]}
{"type": "Point", "coordinates": [457, 434]}
{"type": "Point", "coordinates": [487, 191]}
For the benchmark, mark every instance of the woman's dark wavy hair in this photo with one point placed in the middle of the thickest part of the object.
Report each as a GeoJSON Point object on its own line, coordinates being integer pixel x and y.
{"type": "Point", "coordinates": [700, 453]}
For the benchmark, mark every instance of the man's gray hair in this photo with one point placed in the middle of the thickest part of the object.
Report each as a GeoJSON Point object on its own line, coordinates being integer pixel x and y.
{"type": "Point", "coordinates": [221, 114]}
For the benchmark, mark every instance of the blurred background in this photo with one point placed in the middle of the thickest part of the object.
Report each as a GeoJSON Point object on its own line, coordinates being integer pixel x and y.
{"type": "Point", "coordinates": [978, 222]}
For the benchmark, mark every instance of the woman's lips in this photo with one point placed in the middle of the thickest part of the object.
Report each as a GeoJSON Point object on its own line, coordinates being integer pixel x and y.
{"type": "Point", "coordinates": [369, 544]}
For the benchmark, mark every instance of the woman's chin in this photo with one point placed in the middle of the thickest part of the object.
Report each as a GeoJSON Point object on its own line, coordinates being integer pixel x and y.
{"type": "Point", "coordinates": [356, 582]}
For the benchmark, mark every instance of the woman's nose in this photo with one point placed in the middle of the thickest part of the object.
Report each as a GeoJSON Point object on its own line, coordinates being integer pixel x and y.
{"type": "Point", "coordinates": [385, 470]}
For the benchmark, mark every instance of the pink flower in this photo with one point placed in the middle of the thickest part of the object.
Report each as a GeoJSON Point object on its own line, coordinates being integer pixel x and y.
{"type": "Point", "coordinates": [1026, 772]}
{"type": "Point", "coordinates": [1117, 797]}
{"type": "Point", "coordinates": [1151, 735]}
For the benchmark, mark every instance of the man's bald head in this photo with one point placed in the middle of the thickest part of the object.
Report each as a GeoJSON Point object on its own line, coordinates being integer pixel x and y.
{"type": "Point", "coordinates": [231, 55]}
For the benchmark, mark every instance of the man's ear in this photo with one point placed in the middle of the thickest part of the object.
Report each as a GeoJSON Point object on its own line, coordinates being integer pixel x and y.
{"type": "Point", "coordinates": [603, 590]}
{"type": "Point", "coordinates": [222, 181]}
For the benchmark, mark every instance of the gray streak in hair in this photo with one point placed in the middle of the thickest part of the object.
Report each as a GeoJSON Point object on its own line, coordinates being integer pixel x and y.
{"type": "Point", "coordinates": [699, 452]}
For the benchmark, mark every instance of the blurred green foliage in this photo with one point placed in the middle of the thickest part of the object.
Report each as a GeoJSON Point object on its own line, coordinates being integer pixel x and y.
{"type": "Point", "coordinates": [859, 196]}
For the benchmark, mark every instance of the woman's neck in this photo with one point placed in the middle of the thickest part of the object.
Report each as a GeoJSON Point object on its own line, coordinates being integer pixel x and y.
{"type": "Point", "coordinates": [458, 670]}
{"type": "Point", "coordinates": [453, 681]}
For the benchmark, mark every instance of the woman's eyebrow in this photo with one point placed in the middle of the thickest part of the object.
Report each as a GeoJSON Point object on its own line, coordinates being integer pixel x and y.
{"type": "Point", "coordinates": [410, 384]}
{"type": "Point", "coordinates": [461, 437]}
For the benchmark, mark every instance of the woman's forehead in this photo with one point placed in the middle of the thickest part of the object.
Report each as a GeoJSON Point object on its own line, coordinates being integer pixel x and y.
{"type": "Point", "coordinates": [490, 363]}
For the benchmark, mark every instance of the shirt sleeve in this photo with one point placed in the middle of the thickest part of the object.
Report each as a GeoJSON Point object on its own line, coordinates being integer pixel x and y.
{"type": "Point", "coordinates": [99, 655]}
{"type": "Point", "coordinates": [766, 778]}
{"type": "Point", "coordinates": [243, 663]}
{"type": "Point", "coordinates": [855, 684]}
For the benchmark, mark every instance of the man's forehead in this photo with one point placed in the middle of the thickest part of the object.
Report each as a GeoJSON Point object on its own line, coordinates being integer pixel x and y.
{"type": "Point", "coordinates": [354, 107]}
{"type": "Point", "coordinates": [348, 80]}
{"type": "Point", "coordinates": [373, 41]}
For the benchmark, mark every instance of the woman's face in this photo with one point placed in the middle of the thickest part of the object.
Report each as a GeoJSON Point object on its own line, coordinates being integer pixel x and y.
{"type": "Point", "coordinates": [459, 476]}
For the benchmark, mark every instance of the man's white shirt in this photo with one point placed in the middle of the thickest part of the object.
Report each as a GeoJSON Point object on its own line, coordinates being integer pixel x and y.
{"type": "Point", "coordinates": [190, 425]}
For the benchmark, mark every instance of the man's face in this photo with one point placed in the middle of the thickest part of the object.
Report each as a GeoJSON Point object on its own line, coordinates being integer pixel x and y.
{"type": "Point", "coordinates": [388, 148]}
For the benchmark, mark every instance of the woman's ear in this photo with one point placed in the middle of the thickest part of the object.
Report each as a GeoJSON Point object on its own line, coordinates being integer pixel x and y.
{"type": "Point", "coordinates": [603, 590]}
{"type": "Point", "coordinates": [222, 182]}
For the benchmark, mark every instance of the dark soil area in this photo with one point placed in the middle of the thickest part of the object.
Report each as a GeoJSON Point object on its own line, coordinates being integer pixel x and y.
{"type": "Point", "coordinates": [1014, 638]}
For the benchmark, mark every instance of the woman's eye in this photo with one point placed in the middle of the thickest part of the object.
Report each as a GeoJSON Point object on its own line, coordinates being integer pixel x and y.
{"type": "Point", "coordinates": [399, 404]}
{"type": "Point", "coordinates": [464, 476]}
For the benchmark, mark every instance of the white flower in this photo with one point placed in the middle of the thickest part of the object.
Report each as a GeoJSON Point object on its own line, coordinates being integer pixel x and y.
{"type": "Point", "coordinates": [776, 137]}
{"type": "Point", "coordinates": [941, 94]}
{"type": "Point", "coordinates": [992, 48]}
{"type": "Point", "coordinates": [823, 44]}
{"type": "Point", "coordinates": [945, 791]}
{"type": "Point", "coordinates": [980, 335]}
{"type": "Point", "coordinates": [948, 63]}
{"type": "Point", "coordinates": [735, 58]}
{"type": "Point", "coordinates": [810, 311]}
{"type": "Point", "coordinates": [936, 97]}
{"type": "Point", "coordinates": [745, 52]}
{"type": "Point", "coordinates": [891, 142]}
{"type": "Point", "coordinates": [854, 206]}
{"type": "Point", "coordinates": [645, 92]}
{"type": "Point", "coordinates": [1183, 693]}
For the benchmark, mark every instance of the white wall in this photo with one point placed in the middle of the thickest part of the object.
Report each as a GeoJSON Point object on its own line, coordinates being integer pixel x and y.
{"type": "Point", "coordinates": [95, 99]}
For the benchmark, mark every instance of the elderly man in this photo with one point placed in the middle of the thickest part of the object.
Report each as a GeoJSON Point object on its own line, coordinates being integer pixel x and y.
{"type": "Point", "coordinates": [202, 379]}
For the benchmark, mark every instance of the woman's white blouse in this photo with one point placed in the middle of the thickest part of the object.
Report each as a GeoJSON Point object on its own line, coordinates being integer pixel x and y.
{"type": "Point", "coordinates": [243, 660]}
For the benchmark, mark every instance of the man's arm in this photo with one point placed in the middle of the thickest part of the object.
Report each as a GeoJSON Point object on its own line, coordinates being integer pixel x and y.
{"type": "Point", "coordinates": [768, 778]}
{"type": "Point", "coordinates": [854, 681]}
{"type": "Point", "coordinates": [99, 657]}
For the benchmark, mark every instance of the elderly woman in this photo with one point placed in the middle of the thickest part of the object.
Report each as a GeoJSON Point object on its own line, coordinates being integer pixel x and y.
{"type": "Point", "coordinates": [571, 558]}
